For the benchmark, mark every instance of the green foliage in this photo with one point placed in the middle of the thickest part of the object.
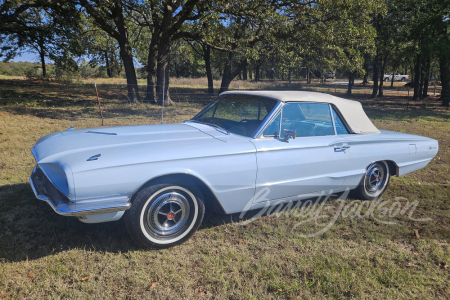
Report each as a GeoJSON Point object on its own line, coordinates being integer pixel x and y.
{"type": "Point", "coordinates": [101, 48]}
{"type": "Point", "coordinates": [27, 69]}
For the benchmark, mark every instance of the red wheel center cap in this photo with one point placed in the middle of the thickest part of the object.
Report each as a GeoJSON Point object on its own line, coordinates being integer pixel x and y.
{"type": "Point", "coordinates": [170, 216]}
{"type": "Point", "coordinates": [377, 178]}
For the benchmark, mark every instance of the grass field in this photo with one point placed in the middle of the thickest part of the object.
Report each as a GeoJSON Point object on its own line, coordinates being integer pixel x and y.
{"type": "Point", "coordinates": [44, 255]}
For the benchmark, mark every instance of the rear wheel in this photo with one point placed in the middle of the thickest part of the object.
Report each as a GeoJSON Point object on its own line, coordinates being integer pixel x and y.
{"type": "Point", "coordinates": [374, 182]}
{"type": "Point", "coordinates": [164, 215]}
{"type": "Point", "coordinates": [403, 79]}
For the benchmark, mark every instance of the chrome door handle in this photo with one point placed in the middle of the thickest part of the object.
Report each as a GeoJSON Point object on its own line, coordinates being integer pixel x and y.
{"type": "Point", "coordinates": [341, 148]}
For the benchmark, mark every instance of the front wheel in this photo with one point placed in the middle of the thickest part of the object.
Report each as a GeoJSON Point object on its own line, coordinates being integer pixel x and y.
{"type": "Point", "coordinates": [164, 215]}
{"type": "Point", "coordinates": [374, 182]}
{"type": "Point", "coordinates": [386, 79]}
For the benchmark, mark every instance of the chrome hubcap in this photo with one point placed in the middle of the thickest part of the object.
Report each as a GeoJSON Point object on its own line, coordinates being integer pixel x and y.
{"type": "Point", "coordinates": [168, 213]}
{"type": "Point", "coordinates": [375, 178]}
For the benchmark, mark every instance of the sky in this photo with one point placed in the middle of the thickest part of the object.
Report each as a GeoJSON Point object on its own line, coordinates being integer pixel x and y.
{"type": "Point", "coordinates": [27, 56]}
{"type": "Point", "coordinates": [33, 57]}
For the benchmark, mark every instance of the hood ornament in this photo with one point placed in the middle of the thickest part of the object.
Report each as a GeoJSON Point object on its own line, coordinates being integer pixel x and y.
{"type": "Point", "coordinates": [94, 157]}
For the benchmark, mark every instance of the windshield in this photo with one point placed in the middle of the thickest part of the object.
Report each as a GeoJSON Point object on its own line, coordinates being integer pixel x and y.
{"type": "Point", "coordinates": [238, 113]}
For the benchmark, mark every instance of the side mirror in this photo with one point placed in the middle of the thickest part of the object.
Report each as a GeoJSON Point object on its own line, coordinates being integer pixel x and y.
{"type": "Point", "coordinates": [289, 134]}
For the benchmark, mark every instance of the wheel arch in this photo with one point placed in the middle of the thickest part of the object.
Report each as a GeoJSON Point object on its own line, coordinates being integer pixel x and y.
{"type": "Point", "coordinates": [393, 167]}
{"type": "Point", "coordinates": [210, 199]}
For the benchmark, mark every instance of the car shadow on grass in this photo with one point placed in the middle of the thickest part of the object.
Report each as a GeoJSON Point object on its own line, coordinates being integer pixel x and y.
{"type": "Point", "coordinates": [30, 229]}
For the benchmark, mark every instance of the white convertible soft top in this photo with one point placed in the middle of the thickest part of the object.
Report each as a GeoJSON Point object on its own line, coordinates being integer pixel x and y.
{"type": "Point", "coordinates": [352, 111]}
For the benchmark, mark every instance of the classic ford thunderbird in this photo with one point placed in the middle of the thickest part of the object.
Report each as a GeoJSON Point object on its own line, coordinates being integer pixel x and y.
{"type": "Point", "coordinates": [284, 145]}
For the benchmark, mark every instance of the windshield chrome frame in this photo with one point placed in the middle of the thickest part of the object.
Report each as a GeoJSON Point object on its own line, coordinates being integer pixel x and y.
{"type": "Point", "coordinates": [269, 118]}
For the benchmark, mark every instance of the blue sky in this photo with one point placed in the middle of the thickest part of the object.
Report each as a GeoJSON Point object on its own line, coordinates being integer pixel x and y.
{"type": "Point", "coordinates": [27, 56]}
{"type": "Point", "coordinates": [33, 57]}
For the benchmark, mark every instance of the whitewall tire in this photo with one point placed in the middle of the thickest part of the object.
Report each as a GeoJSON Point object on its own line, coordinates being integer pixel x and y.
{"type": "Point", "coordinates": [374, 182]}
{"type": "Point", "coordinates": [164, 215]}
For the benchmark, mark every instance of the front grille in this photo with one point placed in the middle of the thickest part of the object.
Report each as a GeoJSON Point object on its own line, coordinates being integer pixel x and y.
{"type": "Point", "coordinates": [44, 187]}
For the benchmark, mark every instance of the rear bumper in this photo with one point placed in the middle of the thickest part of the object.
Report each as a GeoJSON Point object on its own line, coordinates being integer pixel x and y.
{"type": "Point", "coordinates": [44, 190]}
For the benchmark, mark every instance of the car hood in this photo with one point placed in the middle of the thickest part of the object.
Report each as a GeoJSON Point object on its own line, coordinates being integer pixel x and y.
{"type": "Point", "coordinates": [49, 148]}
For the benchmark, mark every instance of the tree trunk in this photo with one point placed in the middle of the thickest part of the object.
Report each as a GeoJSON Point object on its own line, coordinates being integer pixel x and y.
{"type": "Point", "coordinates": [250, 71]}
{"type": "Point", "coordinates": [256, 72]}
{"type": "Point", "coordinates": [44, 70]}
{"type": "Point", "coordinates": [226, 78]}
{"type": "Point", "coordinates": [349, 89]}
{"type": "Point", "coordinates": [417, 77]}
{"type": "Point", "coordinates": [392, 80]}
{"type": "Point", "coordinates": [151, 71]}
{"type": "Point", "coordinates": [244, 73]}
{"type": "Point", "coordinates": [130, 72]}
{"type": "Point", "coordinates": [383, 68]}
{"type": "Point", "coordinates": [207, 58]}
{"type": "Point", "coordinates": [162, 75]}
{"type": "Point", "coordinates": [375, 76]}
{"type": "Point", "coordinates": [445, 78]}
{"type": "Point", "coordinates": [422, 78]}
{"type": "Point", "coordinates": [426, 78]}
{"type": "Point", "coordinates": [108, 68]}
{"type": "Point", "coordinates": [228, 73]}
{"type": "Point", "coordinates": [366, 69]}
{"type": "Point", "coordinates": [365, 79]}
{"type": "Point", "coordinates": [289, 75]}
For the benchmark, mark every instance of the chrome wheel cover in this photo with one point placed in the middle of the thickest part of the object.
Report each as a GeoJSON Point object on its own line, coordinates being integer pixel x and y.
{"type": "Point", "coordinates": [375, 179]}
{"type": "Point", "coordinates": [168, 214]}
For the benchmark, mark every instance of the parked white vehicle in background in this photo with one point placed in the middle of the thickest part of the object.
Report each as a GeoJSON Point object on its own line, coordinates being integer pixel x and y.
{"type": "Point", "coordinates": [397, 77]}
{"type": "Point", "coordinates": [330, 75]}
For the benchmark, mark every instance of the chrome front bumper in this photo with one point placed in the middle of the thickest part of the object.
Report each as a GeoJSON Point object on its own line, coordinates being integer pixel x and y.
{"type": "Point", "coordinates": [44, 190]}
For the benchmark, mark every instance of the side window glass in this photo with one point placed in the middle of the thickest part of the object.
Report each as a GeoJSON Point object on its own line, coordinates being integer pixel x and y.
{"type": "Point", "coordinates": [307, 119]}
{"type": "Point", "coordinates": [273, 128]}
{"type": "Point", "coordinates": [340, 127]}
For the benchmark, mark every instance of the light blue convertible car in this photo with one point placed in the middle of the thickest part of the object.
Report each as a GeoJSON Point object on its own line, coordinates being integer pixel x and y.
{"type": "Point", "coordinates": [159, 177]}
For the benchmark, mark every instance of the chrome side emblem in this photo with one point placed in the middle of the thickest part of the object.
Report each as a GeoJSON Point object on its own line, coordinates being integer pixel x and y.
{"type": "Point", "coordinates": [431, 148]}
{"type": "Point", "coordinates": [95, 157]}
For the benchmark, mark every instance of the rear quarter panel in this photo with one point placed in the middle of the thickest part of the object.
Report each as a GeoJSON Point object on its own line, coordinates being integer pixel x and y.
{"type": "Point", "coordinates": [409, 152]}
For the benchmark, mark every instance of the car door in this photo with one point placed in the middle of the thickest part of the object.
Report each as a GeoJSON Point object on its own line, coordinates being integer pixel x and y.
{"type": "Point", "coordinates": [314, 161]}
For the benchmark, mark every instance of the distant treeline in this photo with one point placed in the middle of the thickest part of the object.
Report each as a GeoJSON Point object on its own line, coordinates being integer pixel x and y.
{"type": "Point", "coordinates": [23, 68]}
{"type": "Point", "coordinates": [34, 70]}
